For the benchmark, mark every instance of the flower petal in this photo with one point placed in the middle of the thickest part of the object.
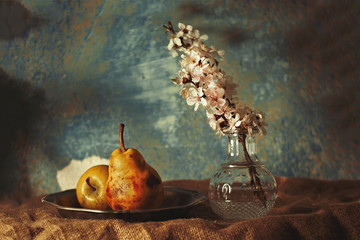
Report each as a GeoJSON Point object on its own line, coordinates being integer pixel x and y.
{"type": "Point", "coordinates": [196, 106]}
{"type": "Point", "coordinates": [203, 102]}
{"type": "Point", "coordinates": [221, 53]}
{"type": "Point", "coordinates": [177, 41]}
{"type": "Point", "coordinates": [204, 37]}
{"type": "Point", "coordinates": [174, 53]}
{"type": "Point", "coordinates": [196, 33]}
{"type": "Point", "coordinates": [171, 44]}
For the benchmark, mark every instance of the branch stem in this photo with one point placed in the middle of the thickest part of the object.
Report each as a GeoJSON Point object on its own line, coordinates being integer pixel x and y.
{"type": "Point", "coordinates": [254, 176]}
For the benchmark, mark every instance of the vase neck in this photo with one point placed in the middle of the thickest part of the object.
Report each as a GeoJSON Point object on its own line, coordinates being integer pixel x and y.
{"type": "Point", "coordinates": [241, 148]}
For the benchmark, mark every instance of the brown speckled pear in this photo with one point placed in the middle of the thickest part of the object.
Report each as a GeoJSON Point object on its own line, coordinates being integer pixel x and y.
{"type": "Point", "coordinates": [132, 183]}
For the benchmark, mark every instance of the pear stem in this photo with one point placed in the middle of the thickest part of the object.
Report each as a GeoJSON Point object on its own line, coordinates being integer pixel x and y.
{"type": "Point", "coordinates": [121, 138]}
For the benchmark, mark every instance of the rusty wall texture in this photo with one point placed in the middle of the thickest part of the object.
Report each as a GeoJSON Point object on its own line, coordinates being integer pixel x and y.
{"type": "Point", "coordinates": [72, 70]}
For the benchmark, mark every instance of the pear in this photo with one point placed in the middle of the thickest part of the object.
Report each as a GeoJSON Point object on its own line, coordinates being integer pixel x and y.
{"type": "Point", "coordinates": [132, 183]}
{"type": "Point", "coordinates": [91, 188]}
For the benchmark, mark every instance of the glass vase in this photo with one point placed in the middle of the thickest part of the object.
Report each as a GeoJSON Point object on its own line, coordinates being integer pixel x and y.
{"type": "Point", "coordinates": [242, 187]}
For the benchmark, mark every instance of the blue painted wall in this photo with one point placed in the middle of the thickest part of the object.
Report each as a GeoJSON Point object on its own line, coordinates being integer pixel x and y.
{"type": "Point", "coordinates": [72, 70]}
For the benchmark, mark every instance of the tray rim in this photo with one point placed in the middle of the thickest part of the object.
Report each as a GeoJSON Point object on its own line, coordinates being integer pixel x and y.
{"type": "Point", "coordinates": [199, 197]}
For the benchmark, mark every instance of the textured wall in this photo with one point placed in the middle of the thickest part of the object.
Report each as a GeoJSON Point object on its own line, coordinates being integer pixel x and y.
{"type": "Point", "coordinates": [72, 70]}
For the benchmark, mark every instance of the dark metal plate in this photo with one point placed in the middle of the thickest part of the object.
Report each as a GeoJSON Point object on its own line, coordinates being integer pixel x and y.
{"type": "Point", "coordinates": [177, 203]}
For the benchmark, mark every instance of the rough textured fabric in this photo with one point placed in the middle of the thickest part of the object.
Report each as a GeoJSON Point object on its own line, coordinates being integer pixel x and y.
{"type": "Point", "coordinates": [305, 209]}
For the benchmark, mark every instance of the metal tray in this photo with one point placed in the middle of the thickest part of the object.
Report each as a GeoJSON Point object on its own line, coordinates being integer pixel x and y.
{"type": "Point", "coordinates": [177, 203]}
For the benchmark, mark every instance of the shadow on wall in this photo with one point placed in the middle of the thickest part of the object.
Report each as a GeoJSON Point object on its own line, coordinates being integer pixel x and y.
{"type": "Point", "coordinates": [21, 107]}
{"type": "Point", "coordinates": [233, 35]}
{"type": "Point", "coordinates": [15, 20]}
{"type": "Point", "coordinates": [326, 46]}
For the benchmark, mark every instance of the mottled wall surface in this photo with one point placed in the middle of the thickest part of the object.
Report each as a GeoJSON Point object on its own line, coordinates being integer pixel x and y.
{"type": "Point", "coordinates": [72, 70]}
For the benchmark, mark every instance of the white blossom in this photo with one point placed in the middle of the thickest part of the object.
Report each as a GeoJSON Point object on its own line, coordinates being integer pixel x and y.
{"type": "Point", "coordinates": [194, 96]}
{"type": "Point", "coordinates": [185, 30]}
{"type": "Point", "coordinates": [233, 123]}
{"type": "Point", "coordinates": [190, 61]}
{"type": "Point", "coordinates": [214, 122]}
{"type": "Point", "coordinates": [215, 96]}
{"type": "Point", "coordinates": [204, 84]}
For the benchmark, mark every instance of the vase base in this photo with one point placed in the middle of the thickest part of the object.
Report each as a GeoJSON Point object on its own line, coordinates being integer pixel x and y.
{"type": "Point", "coordinates": [238, 210]}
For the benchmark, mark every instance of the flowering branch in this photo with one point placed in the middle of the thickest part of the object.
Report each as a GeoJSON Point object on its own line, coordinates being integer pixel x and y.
{"type": "Point", "coordinates": [203, 83]}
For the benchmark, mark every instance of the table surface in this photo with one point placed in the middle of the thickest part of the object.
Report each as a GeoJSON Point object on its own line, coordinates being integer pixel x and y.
{"type": "Point", "coordinates": [305, 209]}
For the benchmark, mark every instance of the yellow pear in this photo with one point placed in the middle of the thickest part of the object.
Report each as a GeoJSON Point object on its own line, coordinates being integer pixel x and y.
{"type": "Point", "coordinates": [90, 189]}
{"type": "Point", "coordinates": [132, 182]}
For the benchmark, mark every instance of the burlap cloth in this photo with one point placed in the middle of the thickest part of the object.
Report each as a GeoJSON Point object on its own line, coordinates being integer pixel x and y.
{"type": "Point", "coordinates": [305, 209]}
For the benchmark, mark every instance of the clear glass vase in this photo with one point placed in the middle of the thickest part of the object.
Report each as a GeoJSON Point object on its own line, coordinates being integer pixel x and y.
{"type": "Point", "coordinates": [242, 188]}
